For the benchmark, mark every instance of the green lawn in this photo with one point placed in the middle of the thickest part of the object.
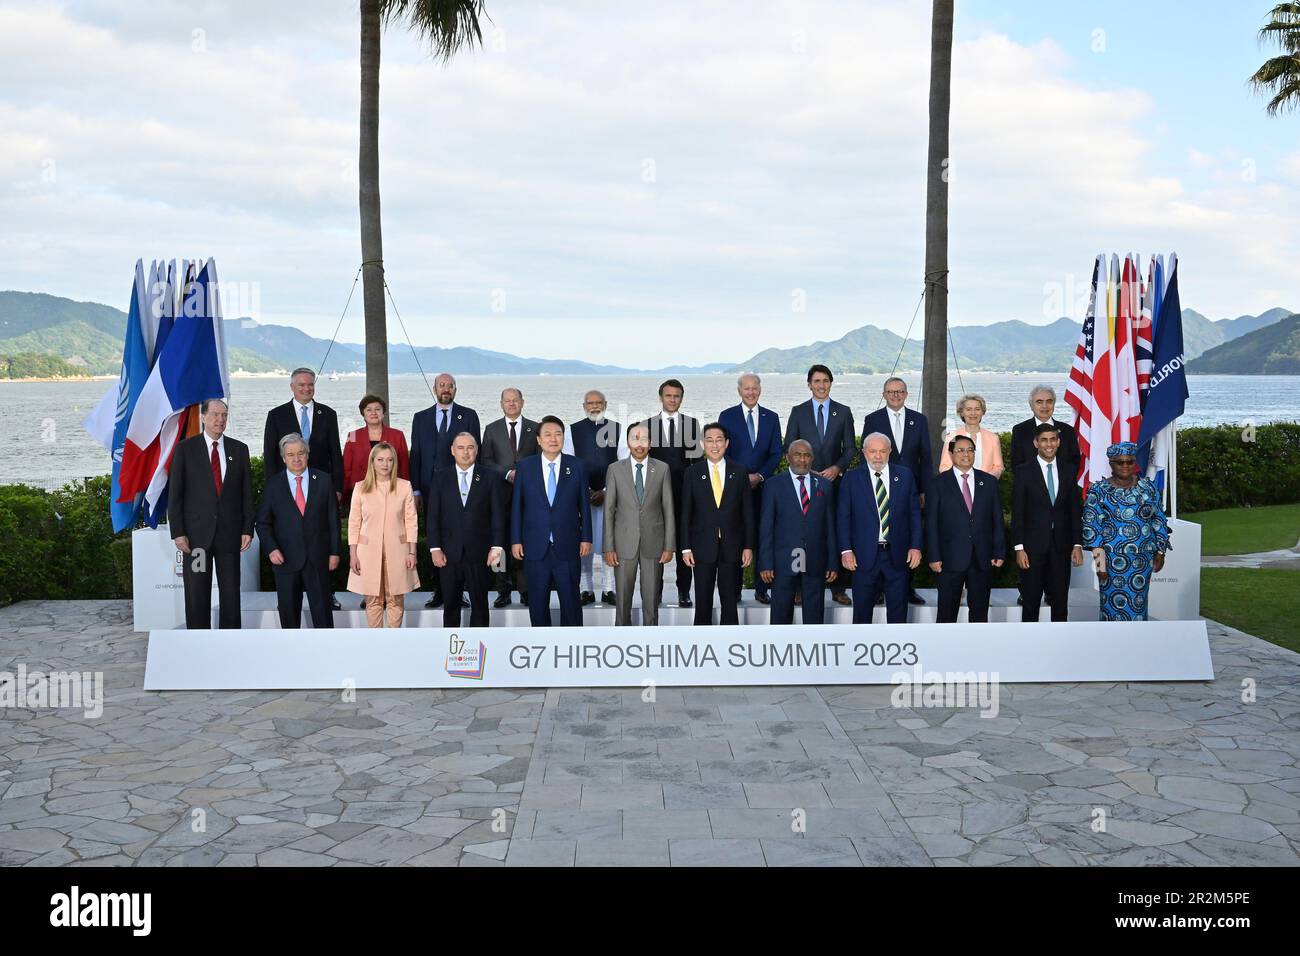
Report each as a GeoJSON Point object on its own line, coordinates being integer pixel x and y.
{"type": "Point", "coordinates": [1245, 530]}
{"type": "Point", "coordinates": [1259, 601]}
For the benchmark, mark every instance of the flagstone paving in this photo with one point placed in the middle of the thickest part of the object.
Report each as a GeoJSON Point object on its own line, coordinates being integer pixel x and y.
{"type": "Point", "coordinates": [1065, 774]}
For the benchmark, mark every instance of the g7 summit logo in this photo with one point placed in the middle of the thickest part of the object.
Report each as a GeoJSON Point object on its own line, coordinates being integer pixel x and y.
{"type": "Point", "coordinates": [465, 660]}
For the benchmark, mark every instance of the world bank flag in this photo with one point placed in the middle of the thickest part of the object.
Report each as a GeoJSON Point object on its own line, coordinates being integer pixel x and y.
{"type": "Point", "coordinates": [1167, 394]}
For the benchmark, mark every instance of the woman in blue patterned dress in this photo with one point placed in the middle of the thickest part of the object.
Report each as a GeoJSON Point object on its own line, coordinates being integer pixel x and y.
{"type": "Point", "coordinates": [1122, 521]}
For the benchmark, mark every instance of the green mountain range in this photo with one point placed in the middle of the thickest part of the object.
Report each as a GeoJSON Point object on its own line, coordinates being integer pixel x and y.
{"type": "Point", "coordinates": [1012, 346]}
{"type": "Point", "coordinates": [1271, 350]}
{"type": "Point", "coordinates": [88, 336]}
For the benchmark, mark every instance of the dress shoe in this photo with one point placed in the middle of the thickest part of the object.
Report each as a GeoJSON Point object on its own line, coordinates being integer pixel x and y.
{"type": "Point", "coordinates": [683, 601]}
{"type": "Point", "coordinates": [334, 602]}
{"type": "Point", "coordinates": [608, 598]}
{"type": "Point", "coordinates": [798, 597]}
{"type": "Point", "coordinates": [762, 598]}
{"type": "Point", "coordinates": [1020, 601]}
{"type": "Point", "coordinates": [363, 604]}
{"type": "Point", "coordinates": [880, 598]}
{"type": "Point", "coordinates": [915, 598]}
{"type": "Point", "coordinates": [587, 598]}
{"type": "Point", "coordinates": [435, 600]}
{"type": "Point", "coordinates": [523, 597]}
{"type": "Point", "coordinates": [503, 600]}
{"type": "Point", "coordinates": [842, 598]}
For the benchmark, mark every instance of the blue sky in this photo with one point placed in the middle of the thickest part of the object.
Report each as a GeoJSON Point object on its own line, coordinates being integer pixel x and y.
{"type": "Point", "coordinates": [645, 184]}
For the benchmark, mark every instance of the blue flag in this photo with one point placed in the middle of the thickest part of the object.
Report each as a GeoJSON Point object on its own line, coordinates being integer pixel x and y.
{"type": "Point", "coordinates": [135, 370]}
{"type": "Point", "coordinates": [1167, 397]}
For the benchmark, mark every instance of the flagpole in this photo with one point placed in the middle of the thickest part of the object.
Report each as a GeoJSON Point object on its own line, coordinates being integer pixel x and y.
{"type": "Point", "coordinates": [1173, 469]}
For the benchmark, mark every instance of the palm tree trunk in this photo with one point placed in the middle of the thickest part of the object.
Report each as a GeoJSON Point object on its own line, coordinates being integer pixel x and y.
{"type": "Point", "coordinates": [934, 374]}
{"type": "Point", "coordinates": [372, 241]}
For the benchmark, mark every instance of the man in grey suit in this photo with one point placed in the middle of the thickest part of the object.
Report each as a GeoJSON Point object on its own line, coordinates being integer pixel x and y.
{"type": "Point", "coordinates": [505, 441]}
{"type": "Point", "coordinates": [828, 427]}
{"type": "Point", "coordinates": [640, 525]}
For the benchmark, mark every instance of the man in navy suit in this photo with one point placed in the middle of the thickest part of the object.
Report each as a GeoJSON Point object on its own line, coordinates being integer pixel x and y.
{"type": "Point", "coordinates": [717, 527]}
{"type": "Point", "coordinates": [596, 440]}
{"type": "Point", "coordinates": [298, 525]}
{"type": "Point", "coordinates": [550, 525]}
{"type": "Point", "coordinates": [909, 437]}
{"type": "Point", "coordinates": [796, 538]}
{"type": "Point", "coordinates": [963, 533]}
{"type": "Point", "coordinates": [878, 520]}
{"type": "Point", "coordinates": [467, 529]}
{"type": "Point", "coordinates": [754, 434]}
{"type": "Point", "coordinates": [1046, 525]}
{"type": "Point", "coordinates": [828, 427]}
{"type": "Point", "coordinates": [432, 432]}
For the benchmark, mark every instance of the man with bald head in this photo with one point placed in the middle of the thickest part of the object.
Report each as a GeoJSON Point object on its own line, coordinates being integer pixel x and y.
{"type": "Point", "coordinates": [755, 436]}
{"type": "Point", "coordinates": [432, 432]}
{"type": "Point", "coordinates": [505, 441]}
{"type": "Point", "coordinates": [596, 440]}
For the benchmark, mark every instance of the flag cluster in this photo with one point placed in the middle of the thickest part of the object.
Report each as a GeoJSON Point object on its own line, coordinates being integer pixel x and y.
{"type": "Point", "coordinates": [173, 359]}
{"type": "Point", "coordinates": [1127, 381]}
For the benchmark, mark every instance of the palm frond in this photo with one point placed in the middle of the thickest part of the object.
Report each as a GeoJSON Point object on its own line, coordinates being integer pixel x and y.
{"type": "Point", "coordinates": [1279, 77]}
{"type": "Point", "coordinates": [447, 25]}
{"type": "Point", "coordinates": [1283, 27]}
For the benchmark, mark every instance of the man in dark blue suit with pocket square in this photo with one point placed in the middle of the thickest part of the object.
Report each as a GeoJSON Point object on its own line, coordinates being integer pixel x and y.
{"type": "Point", "coordinates": [550, 525]}
{"type": "Point", "coordinates": [878, 522]}
{"type": "Point", "coordinates": [964, 537]}
{"type": "Point", "coordinates": [796, 538]}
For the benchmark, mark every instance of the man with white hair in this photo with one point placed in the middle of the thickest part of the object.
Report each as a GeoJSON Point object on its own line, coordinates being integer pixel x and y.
{"type": "Point", "coordinates": [596, 440]}
{"type": "Point", "coordinates": [754, 433]}
{"type": "Point", "coordinates": [1042, 403]}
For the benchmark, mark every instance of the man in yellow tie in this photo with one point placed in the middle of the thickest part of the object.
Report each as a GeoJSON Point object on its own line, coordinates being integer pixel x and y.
{"type": "Point", "coordinates": [717, 527]}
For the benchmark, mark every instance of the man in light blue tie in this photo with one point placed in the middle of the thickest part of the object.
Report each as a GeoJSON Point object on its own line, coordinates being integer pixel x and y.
{"type": "Point", "coordinates": [1046, 526]}
{"type": "Point", "coordinates": [754, 433]}
{"type": "Point", "coordinates": [550, 525]}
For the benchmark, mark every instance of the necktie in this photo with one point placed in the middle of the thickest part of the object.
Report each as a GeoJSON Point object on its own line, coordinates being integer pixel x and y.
{"type": "Point", "coordinates": [753, 429]}
{"type": "Point", "coordinates": [299, 498]}
{"type": "Point", "coordinates": [898, 429]}
{"type": "Point", "coordinates": [550, 484]}
{"type": "Point", "coordinates": [216, 468]}
{"type": "Point", "coordinates": [514, 442]}
{"type": "Point", "coordinates": [640, 484]}
{"type": "Point", "coordinates": [1051, 483]}
{"type": "Point", "coordinates": [821, 420]}
{"type": "Point", "coordinates": [443, 426]}
{"type": "Point", "coordinates": [464, 487]}
{"type": "Point", "coordinates": [672, 433]}
{"type": "Point", "coordinates": [803, 494]}
{"type": "Point", "coordinates": [882, 507]}
{"type": "Point", "coordinates": [304, 423]}
{"type": "Point", "coordinates": [965, 493]}
{"type": "Point", "coordinates": [717, 485]}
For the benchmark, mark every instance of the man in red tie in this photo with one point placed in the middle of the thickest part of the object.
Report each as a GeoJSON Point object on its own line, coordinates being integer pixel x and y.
{"type": "Point", "coordinates": [210, 514]}
{"type": "Point", "coordinates": [964, 535]}
{"type": "Point", "coordinates": [298, 526]}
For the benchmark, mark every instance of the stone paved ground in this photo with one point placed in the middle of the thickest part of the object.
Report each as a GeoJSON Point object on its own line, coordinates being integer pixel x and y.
{"type": "Point", "coordinates": [833, 776]}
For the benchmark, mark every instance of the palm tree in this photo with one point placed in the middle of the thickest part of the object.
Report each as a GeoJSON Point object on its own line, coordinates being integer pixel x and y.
{"type": "Point", "coordinates": [447, 25]}
{"type": "Point", "coordinates": [1279, 77]}
{"type": "Point", "coordinates": [934, 373]}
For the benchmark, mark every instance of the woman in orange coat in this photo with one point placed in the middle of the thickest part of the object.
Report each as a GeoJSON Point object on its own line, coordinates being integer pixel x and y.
{"type": "Point", "coordinates": [359, 443]}
{"type": "Point", "coordinates": [971, 409]}
{"type": "Point", "coordinates": [382, 538]}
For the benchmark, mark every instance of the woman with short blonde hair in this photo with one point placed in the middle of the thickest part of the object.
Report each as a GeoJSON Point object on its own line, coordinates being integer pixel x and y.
{"type": "Point", "coordinates": [971, 410]}
{"type": "Point", "coordinates": [382, 538]}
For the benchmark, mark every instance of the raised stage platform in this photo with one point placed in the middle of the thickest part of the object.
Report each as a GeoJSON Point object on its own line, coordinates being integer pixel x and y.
{"type": "Point", "coordinates": [259, 610]}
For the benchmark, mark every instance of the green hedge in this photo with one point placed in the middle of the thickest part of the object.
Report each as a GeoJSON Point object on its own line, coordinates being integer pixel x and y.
{"type": "Point", "coordinates": [60, 544]}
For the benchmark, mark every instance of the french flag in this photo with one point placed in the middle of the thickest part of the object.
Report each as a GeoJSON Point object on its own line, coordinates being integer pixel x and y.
{"type": "Point", "coordinates": [188, 371]}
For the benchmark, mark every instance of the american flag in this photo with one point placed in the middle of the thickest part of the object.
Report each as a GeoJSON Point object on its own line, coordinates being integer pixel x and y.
{"type": "Point", "coordinates": [1079, 390]}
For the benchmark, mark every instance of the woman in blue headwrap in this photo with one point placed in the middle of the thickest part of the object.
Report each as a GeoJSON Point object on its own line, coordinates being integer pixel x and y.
{"type": "Point", "coordinates": [1128, 534]}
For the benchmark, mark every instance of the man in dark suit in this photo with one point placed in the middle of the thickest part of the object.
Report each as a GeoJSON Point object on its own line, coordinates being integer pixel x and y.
{"type": "Point", "coordinates": [716, 527]}
{"type": "Point", "coordinates": [675, 440]}
{"type": "Point", "coordinates": [505, 441]}
{"type": "Point", "coordinates": [317, 423]}
{"type": "Point", "coordinates": [909, 439]}
{"type": "Point", "coordinates": [298, 526]}
{"type": "Point", "coordinates": [210, 515]}
{"type": "Point", "coordinates": [550, 525]}
{"type": "Point", "coordinates": [1046, 527]}
{"type": "Point", "coordinates": [432, 431]}
{"type": "Point", "coordinates": [796, 538]}
{"type": "Point", "coordinates": [755, 436]}
{"type": "Point", "coordinates": [595, 439]}
{"type": "Point", "coordinates": [467, 529]}
{"type": "Point", "coordinates": [879, 530]}
{"type": "Point", "coordinates": [964, 536]}
{"type": "Point", "coordinates": [1024, 447]}
{"type": "Point", "coordinates": [828, 427]}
